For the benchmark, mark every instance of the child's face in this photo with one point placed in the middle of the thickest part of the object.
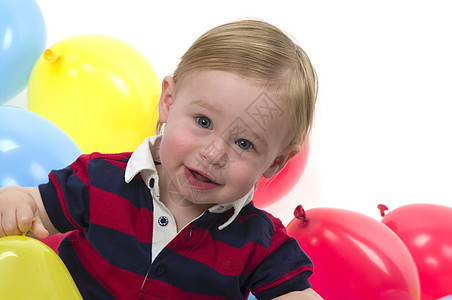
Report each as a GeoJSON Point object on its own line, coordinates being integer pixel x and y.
{"type": "Point", "coordinates": [223, 132]}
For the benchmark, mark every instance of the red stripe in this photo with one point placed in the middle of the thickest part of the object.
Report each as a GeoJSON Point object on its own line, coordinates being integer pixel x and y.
{"type": "Point", "coordinates": [62, 201]}
{"type": "Point", "coordinates": [80, 168]}
{"type": "Point", "coordinates": [116, 159]}
{"type": "Point", "coordinates": [115, 212]}
{"type": "Point", "coordinates": [279, 234]}
{"type": "Point", "coordinates": [244, 219]}
{"type": "Point", "coordinates": [224, 258]}
{"type": "Point", "coordinates": [282, 279]}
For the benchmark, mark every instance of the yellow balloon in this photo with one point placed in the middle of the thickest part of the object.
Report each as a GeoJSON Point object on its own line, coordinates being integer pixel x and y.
{"type": "Point", "coordinates": [101, 91]}
{"type": "Point", "coordinates": [30, 269]}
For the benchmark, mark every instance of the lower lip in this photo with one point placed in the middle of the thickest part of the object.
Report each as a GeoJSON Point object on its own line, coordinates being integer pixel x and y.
{"type": "Point", "coordinates": [198, 184]}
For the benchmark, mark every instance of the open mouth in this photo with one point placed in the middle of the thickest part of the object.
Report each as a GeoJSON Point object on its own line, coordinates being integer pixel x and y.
{"type": "Point", "coordinates": [201, 177]}
{"type": "Point", "coordinates": [199, 181]}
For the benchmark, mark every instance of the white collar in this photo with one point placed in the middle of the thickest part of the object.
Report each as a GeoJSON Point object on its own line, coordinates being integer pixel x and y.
{"type": "Point", "coordinates": [142, 161]}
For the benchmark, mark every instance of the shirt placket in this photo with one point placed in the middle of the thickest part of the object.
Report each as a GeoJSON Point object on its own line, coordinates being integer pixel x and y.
{"type": "Point", "coordinates": [162, 271]}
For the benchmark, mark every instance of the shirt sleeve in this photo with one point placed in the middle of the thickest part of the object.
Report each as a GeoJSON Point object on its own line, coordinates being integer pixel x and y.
{"type": "Point", "coordinates": [66, 196]}
{"type": "Point", "coordinates": [285, 269]}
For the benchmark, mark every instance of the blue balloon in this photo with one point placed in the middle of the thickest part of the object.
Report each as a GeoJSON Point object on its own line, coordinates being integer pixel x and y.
{"type": "Point", "coordinates": [30, 147]}
{"type": "Point", "coordinates": [251, 297]}
{"type": "Point", "coordinates": [22, 40]}
{"type": "Point", "coordinates": [446, 298]}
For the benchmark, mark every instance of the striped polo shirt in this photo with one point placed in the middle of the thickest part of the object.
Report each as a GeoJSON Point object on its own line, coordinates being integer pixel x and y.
{"type": "Point", "coordinates": [124, 243]}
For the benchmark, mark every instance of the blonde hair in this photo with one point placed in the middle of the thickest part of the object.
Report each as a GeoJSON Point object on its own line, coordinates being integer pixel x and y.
{"type": "Point", "coordinates": [262, 52]}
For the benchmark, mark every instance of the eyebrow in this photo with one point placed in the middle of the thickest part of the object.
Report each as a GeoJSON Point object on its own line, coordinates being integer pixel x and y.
{"type": "Point", "coordinates": [259, 138]}
{"type": "Point", "coordinates": [206, 105]}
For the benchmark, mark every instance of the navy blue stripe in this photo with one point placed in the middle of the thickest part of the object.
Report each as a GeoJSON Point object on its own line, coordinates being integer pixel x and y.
{"type": "Point", "coordinates": [120, 249]}
{"type": "Point", "coordinates": [49, 197]}
{"type": "Point", "coordinates": [108, 177]}
{"type": "Point", "coordinates": [193, 276]}
{"type": "Point", "coordinates": [288, 254]}
{"type": "Point", "coordinates": [256, 229]}
{"type": "Point", "coordinates": [74, 188]}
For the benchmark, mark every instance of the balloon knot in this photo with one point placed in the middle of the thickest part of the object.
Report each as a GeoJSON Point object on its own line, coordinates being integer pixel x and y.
{"type": "Point", "coordinates": [300, 214]}
{"type": "Point", "coordinates": [382, 209]}
{"type": "Point", "coordinates": [50, 55]}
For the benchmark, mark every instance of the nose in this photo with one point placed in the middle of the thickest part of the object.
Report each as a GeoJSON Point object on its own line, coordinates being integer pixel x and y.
{"type": "Point", "coordinates": [215, 153]}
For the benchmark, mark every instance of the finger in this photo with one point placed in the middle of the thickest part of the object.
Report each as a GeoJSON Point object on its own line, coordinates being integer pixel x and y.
{"type": "Point", "coordinates": [2, 232]}
{"type": "Point", "coordinates": [24, 216]}
{"type": "Point", "coordinates": [38, 228]}
{"type": "Point", "coordinates": [9, 223]}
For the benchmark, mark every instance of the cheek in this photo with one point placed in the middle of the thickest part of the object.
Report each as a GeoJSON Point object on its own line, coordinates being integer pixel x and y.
{"type": "Point", "coordinates": [245, 174]}
{"type": "Point", "coordinates": [176, 142]}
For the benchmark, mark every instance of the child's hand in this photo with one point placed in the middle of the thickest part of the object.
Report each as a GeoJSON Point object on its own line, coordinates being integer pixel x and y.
{"type": "Point", "coordinates": [21, 211]}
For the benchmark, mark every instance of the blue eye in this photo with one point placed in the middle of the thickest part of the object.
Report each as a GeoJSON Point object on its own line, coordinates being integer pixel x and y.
{"type": "Point", "coordinates": [204, 122]}
{"type": "Point", "coordinates": [244, 144]}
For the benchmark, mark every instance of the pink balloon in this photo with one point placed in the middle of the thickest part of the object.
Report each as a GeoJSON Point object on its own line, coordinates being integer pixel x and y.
{"type": "Point", "coordinates": [426, 230]}
{"type": "Point", "coordinates": [277, 187]}
{"type": "Point", "coordinates": [354, 256]}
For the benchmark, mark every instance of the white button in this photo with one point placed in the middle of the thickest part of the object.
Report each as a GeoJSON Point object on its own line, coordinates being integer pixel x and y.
{"type": "Point", "coordinates": [163, 221]}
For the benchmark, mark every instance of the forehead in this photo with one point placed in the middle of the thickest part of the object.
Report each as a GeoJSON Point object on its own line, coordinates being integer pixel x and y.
{"type": "Point", "coordinates": [226, 88]}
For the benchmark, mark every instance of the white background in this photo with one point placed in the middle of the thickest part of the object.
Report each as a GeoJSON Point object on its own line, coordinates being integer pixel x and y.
{"type": "Point", "coordinates": [382, 131]}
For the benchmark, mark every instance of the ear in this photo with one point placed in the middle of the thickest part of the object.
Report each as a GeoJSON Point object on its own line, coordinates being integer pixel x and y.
{"type": "Point", "coordinates": [281, 160]}
{"type": "Point", "coordinates": [166, 98]}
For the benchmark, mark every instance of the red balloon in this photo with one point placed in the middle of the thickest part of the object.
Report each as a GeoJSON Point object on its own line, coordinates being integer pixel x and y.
{"type": "Point", "coordinates": [354, 256]}
{"type": "Point", "coordinates": [270, 191]}
{"type": "Point", "coordinates": [426, 230]}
